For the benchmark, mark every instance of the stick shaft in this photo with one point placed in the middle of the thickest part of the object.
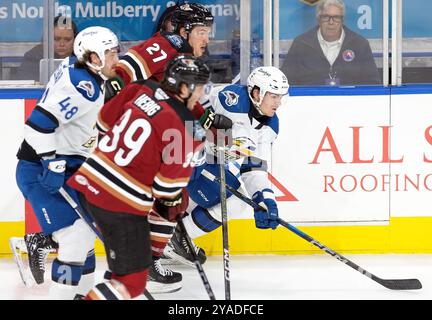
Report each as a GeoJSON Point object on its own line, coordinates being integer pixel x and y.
{"type": "Point", "coordinates": [393, 284]}
{"type": "Point", "coordinates": [223, 203]}
{"type": "Point", "coordinates": [198, 265]}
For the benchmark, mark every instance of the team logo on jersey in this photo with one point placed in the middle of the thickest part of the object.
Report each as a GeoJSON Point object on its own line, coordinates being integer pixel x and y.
{"type": "Point", "coordinates": [161, 95]}
{"type": "Point", "coordinates": [88, 87]}
{"type": "Point", "coordinates": [244, 143]}
{"type": "Point", "coordinates": [175, 40]}
{"type": "Point", "coordinates": [90, 143]}
{"type": "Point", "coordinates": [231, 98]}
{"type": "Point", "coordinates": [348, 55]}
{"type": "Point", "coordinates": [81, 180]}
{"type": "Point", "coordinates": [84, 182]}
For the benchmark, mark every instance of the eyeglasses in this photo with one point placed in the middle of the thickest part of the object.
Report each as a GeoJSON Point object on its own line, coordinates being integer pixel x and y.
{"type": "Point", "coordinates": [326, 18]}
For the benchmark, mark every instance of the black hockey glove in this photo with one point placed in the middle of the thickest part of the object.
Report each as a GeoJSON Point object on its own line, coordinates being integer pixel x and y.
{"type": "Point", "coordinates": [217, 121]}
{"type": "Point", "coordinates": [172, 209]}
{"type": "Point", "coordinates": [112, 88]}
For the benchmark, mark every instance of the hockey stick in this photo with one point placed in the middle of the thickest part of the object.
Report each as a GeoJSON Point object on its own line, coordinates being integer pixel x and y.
{"type": "Point", "coordinates": [231, 153]}
{"type": "Point", "coordinates": [393, 284]}
{"type": "Point", "coordinates": [198, 264]}
{"type": "Point", "coordinates": [91, 224]}
{"type": "Point", "coordinates": [221, 158]}
{"type": "Point", "coordinates": [82, 215]}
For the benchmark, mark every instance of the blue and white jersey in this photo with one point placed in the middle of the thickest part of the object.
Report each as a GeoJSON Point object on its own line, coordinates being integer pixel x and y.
{"type": "Point", "coordinates": [253, 137]}
{"type": "Point", "coordinates": [63, 122]}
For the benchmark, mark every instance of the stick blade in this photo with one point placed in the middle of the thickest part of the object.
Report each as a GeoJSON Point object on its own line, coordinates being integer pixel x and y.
{"type": "Point", "coordinates": [401, 284]}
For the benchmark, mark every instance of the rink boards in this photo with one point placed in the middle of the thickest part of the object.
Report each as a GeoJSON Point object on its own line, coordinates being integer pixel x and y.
{"type": "Point", "coordinates": [351, 167]}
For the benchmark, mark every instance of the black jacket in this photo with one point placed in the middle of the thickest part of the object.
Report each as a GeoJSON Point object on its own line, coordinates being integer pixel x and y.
{"type": "Point", "coordinates": [29, 68]}
{"type": "Point", "coordinates": [306, 64]}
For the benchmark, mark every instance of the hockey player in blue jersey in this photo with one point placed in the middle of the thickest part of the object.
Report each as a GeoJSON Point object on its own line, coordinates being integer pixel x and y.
{"type": "Point", "coordinates": [58, 136]}
{"type": "Point", "coordinates": [252, 109]}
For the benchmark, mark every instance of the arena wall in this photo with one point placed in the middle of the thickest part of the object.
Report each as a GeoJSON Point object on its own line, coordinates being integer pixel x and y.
{"type": "Point", "coordinates": [351, 168]}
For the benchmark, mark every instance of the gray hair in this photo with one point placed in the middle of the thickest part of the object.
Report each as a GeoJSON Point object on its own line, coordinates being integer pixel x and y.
{"type": "Point", "coordinates": [324, 4]}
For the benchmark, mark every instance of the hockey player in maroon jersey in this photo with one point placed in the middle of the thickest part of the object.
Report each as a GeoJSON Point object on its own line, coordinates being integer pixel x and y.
{"type": "Point", "coordinates": [141, 168]}
{"type": "Point", "coordinates": [192, 25]}
{"type": "Point", "coordinates": [183, 28]}
{"type": "Point", "coordinates": [188, 32]}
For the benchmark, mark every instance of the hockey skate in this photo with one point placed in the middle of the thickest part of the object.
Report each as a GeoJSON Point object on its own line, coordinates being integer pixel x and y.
{"type": "Point", "coordinates": [162, 279]}
{"type": "Point", "coordinates": [18, 247]}
{"type": "Point", "coordinates": [38, 248]}
{"type": "Point", "coordinates": [179, 251]}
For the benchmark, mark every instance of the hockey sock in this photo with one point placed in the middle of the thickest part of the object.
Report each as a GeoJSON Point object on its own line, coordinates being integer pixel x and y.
{"type": "Point", "coordinates": [87, 277]}
{"type": "Point", "coordinates": [134, 282]}
{"type": "Point", "coordinates": [110, 290]}
{"type": "Point", "coordinates": [161, 231]}
{"type": "Point", "coordinates": [120, 287]}
{"type": "Point", "coordinates": [200, 221]}
{"type": "Point", "coordinates": [65, 279]}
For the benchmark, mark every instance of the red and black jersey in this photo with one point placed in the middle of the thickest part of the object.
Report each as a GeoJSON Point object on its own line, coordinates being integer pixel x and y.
{"type": "Point", "coordinates": [148, 150]}
{"type": "Point", "coordinates": [150, 58]}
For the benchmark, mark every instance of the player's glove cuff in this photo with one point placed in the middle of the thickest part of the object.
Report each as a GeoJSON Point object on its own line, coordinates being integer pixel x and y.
{"type": "Point", "coordinates": [53, 175]}
{"type": "Point", "coordinates": [267, 215]}
{"type": "Point", "coordinates": [172, 209]}
{"type": "Point", "coordinates": [209, 119]}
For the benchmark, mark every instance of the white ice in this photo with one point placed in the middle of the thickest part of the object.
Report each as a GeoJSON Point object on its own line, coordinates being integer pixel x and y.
{"type": "Point", "coordinates": [261, 277]}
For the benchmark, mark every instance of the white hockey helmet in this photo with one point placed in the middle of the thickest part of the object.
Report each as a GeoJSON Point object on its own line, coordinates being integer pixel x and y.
{"type": "Point", "coordinates": [95, 39]}
{"type": "Point", "coordinates": [267, 79]}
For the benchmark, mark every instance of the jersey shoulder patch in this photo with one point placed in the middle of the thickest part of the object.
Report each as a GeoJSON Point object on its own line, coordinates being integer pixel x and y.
{"type": "Point", "coordinates": [234, 98]}
{"type": "Point", "coordinates": [175, 40]}
{"type": "Point", "coordinates": [84, 83]}
{"type": "Point", "coordinates": [231, 98]}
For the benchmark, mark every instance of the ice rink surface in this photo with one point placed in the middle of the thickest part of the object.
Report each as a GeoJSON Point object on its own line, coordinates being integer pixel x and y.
{"type": "Point", "coordinates": [272, 277]}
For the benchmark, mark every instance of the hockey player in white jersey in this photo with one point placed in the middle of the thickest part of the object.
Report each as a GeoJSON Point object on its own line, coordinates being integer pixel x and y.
{"type": "Point", "coordinates": [252, 109]}
{"type": "Point", "coordinates": [58, 136]}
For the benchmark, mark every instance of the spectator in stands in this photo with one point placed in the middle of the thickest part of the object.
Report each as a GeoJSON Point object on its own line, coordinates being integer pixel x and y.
{"type": "Point", "coordinates": [330, 53]}
{"type": "Point", "coordinates": [65, 31]}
